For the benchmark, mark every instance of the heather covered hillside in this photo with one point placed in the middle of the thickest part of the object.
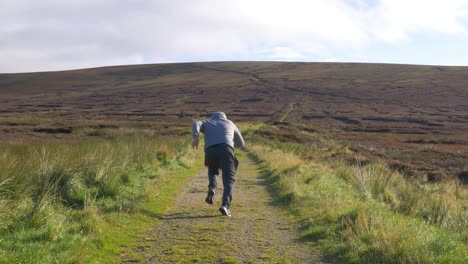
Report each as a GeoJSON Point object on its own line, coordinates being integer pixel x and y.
{"type": "Point", "coordinates": [414, 116]}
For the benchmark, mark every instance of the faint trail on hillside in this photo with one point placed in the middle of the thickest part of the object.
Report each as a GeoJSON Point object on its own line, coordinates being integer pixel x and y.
{"type": "Point", "coordinates": [263, 82]}
{"type": "Point", "coordinates": [254, 77]}
{"type": "Point", "coordinates": [195, 232]}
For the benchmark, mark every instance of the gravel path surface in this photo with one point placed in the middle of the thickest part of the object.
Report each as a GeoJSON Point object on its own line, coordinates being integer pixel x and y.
{"type": "Point", "coordinates": [195, 232]}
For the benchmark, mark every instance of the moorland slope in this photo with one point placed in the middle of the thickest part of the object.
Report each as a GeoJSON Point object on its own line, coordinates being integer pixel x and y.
{"type": "Point", "coordinates": [375, 106]}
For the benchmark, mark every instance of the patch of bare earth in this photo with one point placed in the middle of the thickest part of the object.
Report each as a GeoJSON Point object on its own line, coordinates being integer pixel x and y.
{"type": "Point", "coordinates": [195, 232]}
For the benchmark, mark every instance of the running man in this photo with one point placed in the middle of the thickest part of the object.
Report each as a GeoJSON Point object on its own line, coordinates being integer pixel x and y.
{"type": "Point", "coordinates": [221, 138]}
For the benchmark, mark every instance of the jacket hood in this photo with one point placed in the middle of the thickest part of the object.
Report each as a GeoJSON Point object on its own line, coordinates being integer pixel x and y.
{"type": "Point", "coordinates": [218, 115]}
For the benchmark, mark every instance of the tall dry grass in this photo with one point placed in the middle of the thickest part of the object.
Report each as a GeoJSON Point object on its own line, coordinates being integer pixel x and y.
{"type": "Point", "coordinates": [441, 204]}
{"type": "Point", "coordinates": [51, 194]}
{"type": "Point", "coordinates": [367, 214]}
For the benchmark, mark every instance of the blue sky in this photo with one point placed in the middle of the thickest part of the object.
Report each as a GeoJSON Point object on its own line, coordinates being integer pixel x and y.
{"type": "Point", "coordinates": [58, 35]}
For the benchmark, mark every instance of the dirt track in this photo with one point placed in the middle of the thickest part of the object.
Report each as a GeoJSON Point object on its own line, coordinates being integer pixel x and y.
{"type": "Point", "coordinates": [195, 232]}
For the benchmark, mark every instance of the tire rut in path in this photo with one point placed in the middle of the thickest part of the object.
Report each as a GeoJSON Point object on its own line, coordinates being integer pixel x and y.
{"type": "Point", "coordinates": [195, 232]}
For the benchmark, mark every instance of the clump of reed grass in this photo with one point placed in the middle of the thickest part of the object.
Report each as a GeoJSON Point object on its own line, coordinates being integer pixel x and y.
{"type": "Point", "coordinates": [379, 236]}
{"type": "Point", "coordinates": [436, 203]}
{"type": "Point", "coordinates": [369, 213]}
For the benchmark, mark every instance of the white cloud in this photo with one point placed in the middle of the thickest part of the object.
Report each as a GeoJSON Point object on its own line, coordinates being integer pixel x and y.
{"type": "Point", "coordinates": [395, 20]}
{"type": "Point", "coordinates": [282, 53]}
{"type": "Point", "coordinates": [330, 60]}
{"type": "Point", "coordinates": [53, 35]}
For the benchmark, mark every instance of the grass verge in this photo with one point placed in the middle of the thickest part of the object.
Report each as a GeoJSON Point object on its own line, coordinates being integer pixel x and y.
{"type": "Point", "coordinates": [365, 213]}
{"type": "Point", "coordinates": [120, 232]}
{"type": "Point", "coordinates": [79, 202]}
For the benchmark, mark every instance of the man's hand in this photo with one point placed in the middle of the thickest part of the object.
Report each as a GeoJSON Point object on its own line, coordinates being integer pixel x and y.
{"type": "Point", "coordinates": [195, 143]}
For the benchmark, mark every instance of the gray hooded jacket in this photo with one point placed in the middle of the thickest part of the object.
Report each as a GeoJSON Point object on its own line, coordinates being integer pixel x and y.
{"type": "Point", "coordinates": [218, 130]}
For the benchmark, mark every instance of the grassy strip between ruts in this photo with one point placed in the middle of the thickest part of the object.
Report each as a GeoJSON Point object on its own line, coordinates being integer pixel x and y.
{"type": "Point", "coordinates": [348, 222]}
{"type": "Point", "coordinates": [79, 202]}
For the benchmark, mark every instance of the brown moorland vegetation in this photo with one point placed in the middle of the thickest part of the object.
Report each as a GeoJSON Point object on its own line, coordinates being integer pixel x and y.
{"type": "Point", "coordinates": [414, 117]}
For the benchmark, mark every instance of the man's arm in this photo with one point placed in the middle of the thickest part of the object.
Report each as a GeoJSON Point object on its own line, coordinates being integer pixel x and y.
{"type": "Point", "coordinates": [238, 140]}
{"type": "Point", "coordinates": [196, 128]}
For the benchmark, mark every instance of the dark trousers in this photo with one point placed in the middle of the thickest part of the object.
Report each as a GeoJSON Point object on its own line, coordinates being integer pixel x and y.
{"type": "Point", "coordinates": [221, 157]}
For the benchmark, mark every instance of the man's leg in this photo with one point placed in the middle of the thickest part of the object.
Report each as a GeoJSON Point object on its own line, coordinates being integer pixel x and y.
{"type": "Point", "coordinates": [212, 183]}
{"type": "Point", "coordinates": [229, 166]}
{"type": "Point", "coordinates": [212, 162]}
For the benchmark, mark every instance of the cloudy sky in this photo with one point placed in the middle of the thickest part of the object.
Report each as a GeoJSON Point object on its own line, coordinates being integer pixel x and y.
{"type": "Point", "coordinates": [69, 34]}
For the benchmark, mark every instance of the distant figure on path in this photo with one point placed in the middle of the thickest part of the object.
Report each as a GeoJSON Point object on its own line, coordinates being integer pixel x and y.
{"type": "Point", "coordinates": [221, 138]}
